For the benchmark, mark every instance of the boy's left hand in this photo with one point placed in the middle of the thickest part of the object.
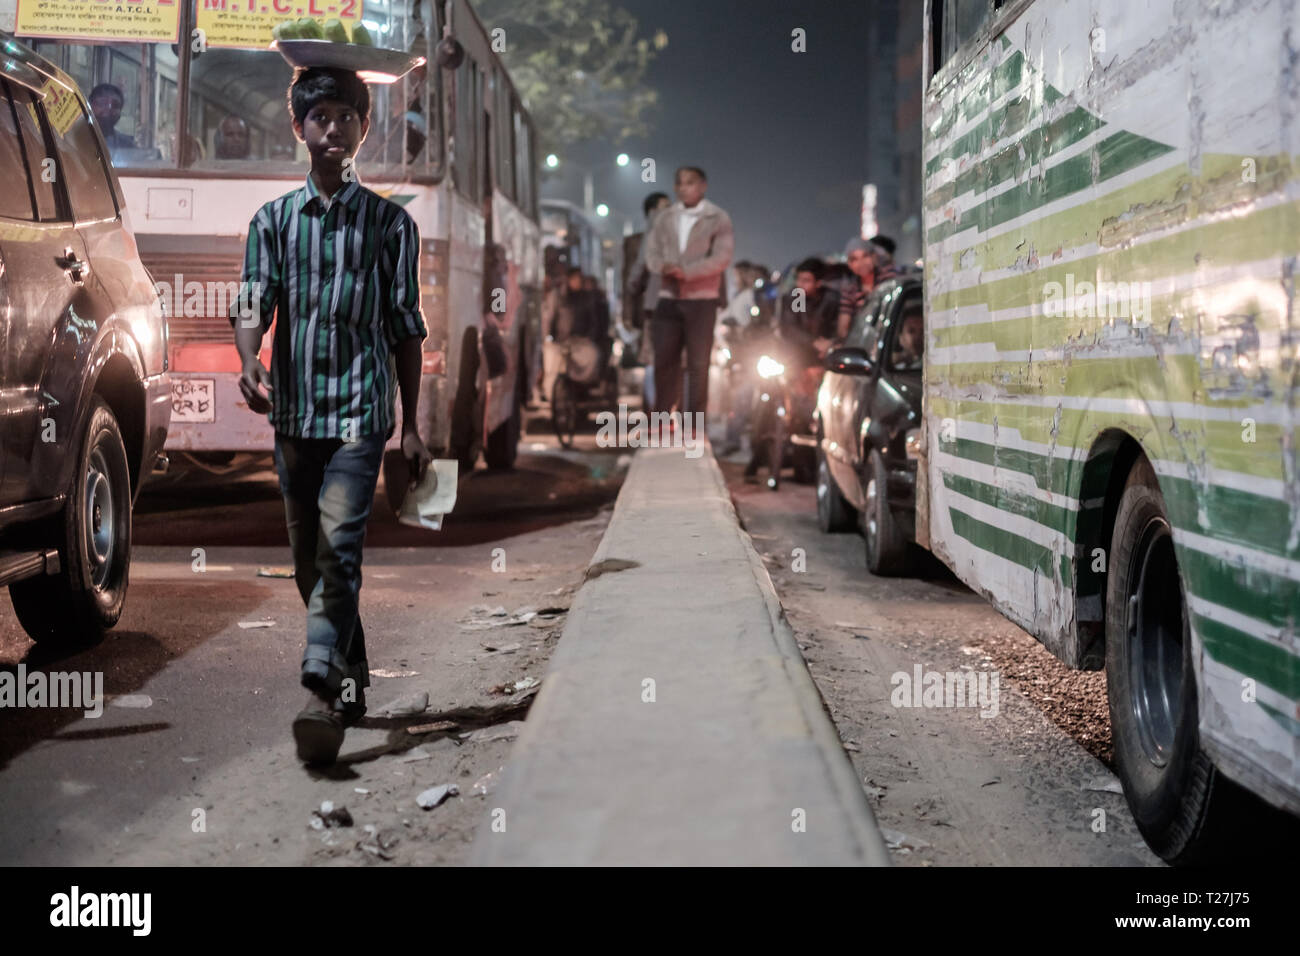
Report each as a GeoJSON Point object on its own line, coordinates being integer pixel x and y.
{"type": "Point", "coordinates": [416, 454]}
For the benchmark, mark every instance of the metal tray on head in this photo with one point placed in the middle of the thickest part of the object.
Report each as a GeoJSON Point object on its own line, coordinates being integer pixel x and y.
{"type": "Point", "coordinates": [372, 63]}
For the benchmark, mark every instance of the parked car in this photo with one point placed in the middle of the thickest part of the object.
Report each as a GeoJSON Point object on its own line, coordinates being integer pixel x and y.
{"type": "Point", "coordinates": [83, 382]}
{"type": "Point", "coordinates": [867, 424]}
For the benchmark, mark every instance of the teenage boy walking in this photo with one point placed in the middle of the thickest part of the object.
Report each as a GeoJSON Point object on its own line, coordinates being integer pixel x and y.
{"type": "Point", "coordinates": [337, 265]}
{"type": "Point", "coordinates": [690, 246]}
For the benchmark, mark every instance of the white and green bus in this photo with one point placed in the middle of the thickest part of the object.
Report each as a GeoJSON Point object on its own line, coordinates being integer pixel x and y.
{"type": "Point", "coordinates": [1111, 217]}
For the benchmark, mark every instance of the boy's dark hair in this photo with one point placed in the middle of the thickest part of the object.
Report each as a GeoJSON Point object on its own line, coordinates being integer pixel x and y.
{"type": "Point", "coordinates": [651, 201]}
{"type": "Point", "coordinates": [315, 84]}
{"type": "Point", "coordinates": [884, 242]}
{"type": "Point", "coordinates": [573, 271]}
{"type": "Point", "coordinates": [813, 265]}
{"type": "Point", "coordinates": [690, 169]}
{"type": "Point", "coordinates": [108, 88]}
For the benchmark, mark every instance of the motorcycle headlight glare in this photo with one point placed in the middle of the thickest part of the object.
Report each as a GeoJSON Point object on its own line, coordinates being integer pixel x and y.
{"type": "Point", "coordinates": [769, 367]}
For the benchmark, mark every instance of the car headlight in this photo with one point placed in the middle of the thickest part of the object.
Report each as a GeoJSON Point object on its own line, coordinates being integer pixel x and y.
{"type": "Point", "coordinates": [913, 443]}
{"type": "Point", "coordinates": [769, 367]}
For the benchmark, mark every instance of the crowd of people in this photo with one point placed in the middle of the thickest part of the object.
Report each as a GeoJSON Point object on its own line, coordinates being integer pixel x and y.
{"type": "Point", "coordinates": [676, 306]}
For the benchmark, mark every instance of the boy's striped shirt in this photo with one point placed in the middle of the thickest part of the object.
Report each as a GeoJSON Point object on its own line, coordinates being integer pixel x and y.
{"type": "Point", "coordinates": [341, 277]}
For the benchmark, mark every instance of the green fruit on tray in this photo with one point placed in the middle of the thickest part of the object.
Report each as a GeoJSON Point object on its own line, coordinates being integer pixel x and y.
{"type": "Point", "coordinates": [361, 36]}
{"type": "Point", "coordinates": [286, 31]}
{"type": "Point", "coordinates": [309, 29]}
{"type": "Point", "coordinates": [336, 31]}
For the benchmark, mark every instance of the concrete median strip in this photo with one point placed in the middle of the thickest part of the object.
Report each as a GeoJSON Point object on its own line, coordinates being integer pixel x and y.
{"type": "Point", "coordinates": [677, 723]}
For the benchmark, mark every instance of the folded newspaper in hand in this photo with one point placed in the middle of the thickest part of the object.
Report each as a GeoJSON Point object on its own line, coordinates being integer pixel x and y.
{"type": "Point", "coordinates": [425, 505]}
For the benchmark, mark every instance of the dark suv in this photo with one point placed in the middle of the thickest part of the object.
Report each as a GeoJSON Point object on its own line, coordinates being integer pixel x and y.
{"type": "Point", "coordinates": [868, 423]}
{"type": "Point", "coordinates": [84, 396]}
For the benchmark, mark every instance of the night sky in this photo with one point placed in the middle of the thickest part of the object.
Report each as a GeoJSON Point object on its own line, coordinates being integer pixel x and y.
{"type": "Point", "coordinates": [782, 135]}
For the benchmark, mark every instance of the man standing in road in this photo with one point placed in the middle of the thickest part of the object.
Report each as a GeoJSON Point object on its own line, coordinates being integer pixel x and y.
{"type": "Point", "coordinates": [337, 266]}
{"type": "Point", "coordinates": [689, 247]}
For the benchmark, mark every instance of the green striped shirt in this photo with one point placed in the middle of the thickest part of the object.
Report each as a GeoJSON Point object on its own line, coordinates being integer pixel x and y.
{"type": "Point", "coordinates": [341, 277]}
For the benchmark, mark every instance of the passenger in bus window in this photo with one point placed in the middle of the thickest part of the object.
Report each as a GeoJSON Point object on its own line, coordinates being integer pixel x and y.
{"type": "Point", "coordinates": [232, 141]}
{"type": "Point", "coordinates": [106, 102]}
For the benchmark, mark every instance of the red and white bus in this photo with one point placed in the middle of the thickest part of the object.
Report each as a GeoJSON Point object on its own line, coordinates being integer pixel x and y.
{"type": "Point", "coordinates": [455, 147]}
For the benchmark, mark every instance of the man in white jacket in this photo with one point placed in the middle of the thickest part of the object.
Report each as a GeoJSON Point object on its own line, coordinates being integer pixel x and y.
{"type": "Point", "coordinates": [690, 246]}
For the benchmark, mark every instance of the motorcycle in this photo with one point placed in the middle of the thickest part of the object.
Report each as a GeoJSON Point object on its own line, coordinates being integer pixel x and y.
{"type": "Point", "coordinates": [781, 422]}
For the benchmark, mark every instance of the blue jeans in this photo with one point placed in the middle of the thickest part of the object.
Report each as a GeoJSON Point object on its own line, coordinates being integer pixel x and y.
{"type": "Point", "coordinates": [328, 487]}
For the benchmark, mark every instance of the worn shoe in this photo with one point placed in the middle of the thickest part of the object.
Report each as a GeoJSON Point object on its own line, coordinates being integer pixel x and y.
{"type": "Point", "coordinates": [318, 732]}
{"type": "Point", "coordinates": [351, 713]}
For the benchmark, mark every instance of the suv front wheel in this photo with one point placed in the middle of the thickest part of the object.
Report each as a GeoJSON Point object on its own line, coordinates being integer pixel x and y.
{"type": "Point", "coordinates": [86, 597]}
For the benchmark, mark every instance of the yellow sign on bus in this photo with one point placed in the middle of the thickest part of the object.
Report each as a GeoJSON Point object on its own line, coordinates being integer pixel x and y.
{"type": "Point", "coordinates": [144, 21]}
{"type": "Point", "coordinates": [248, 23]}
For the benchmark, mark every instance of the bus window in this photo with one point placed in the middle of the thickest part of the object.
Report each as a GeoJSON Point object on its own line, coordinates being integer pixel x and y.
{"type": "Point", "coordinates": [469, 107]}
{"type": "Point", "coordinates": [237, 108]}
{"type": "Point", "coordinates": [525, 171]}
{"type": "Point", "coordinates": [503, 144]}
{"type": "Point", "coordinates": [954, 23]}
{"type": "Point", "coordinates": [131, 89]}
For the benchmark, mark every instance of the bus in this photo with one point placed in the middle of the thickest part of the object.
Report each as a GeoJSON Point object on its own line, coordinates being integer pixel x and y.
{"type": "Point", "coordinates": [1109, 444]}
{"type": "Point", "coordinates": [453, 145]}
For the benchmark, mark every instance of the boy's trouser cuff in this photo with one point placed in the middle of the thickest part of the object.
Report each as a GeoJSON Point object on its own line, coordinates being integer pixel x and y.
{"type": "Point", "coordinates": [325, 668]}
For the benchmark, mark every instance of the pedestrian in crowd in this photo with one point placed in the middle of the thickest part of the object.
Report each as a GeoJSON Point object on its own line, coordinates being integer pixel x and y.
{"type": "Point", "coordinates": [641, 292]}
{"type": "Point", "coordinates": [855, 292]}
{"type": "Point", "coordinates": [910, 345]}
{"type": "Point", "coordinates": [689, 247]}
{"type": "Point", "coordinates": [733, 328]}
{"type": "Point", "coordinates": [882, 251]}
{"type": "Point", "coordinates": [337, 267]}
{"type": "Point", "coordinates": [569, 312]}
{"type": "Point", "coordinates": [106, 102]}
{"type": "Point", "coordinates": [808, 314]}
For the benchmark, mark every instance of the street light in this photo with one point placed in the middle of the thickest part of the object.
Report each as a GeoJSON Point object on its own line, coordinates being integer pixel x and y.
{"type": "Point", "coordinates": [552, 160]}
{"type": "Point", "coordinates": [623, 159]}
{"type": "Point", "coordinates": [602, 210]}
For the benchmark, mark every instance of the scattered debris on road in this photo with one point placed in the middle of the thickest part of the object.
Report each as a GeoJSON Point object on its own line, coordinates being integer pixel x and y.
{"type": "Point", "coordinates": [435, 795]}
{"type": "Point", "coordinates": [506, 731]}
{"type": "Point", "coordinates": [136, 701]}
{"type": "Point", "coordinates": [432, 728]}
{"type": "Point", "coordinates": [275, 572]}
{"type": "Point", "coordinates": [514, 687]}
{"type": "Point", "coordinates": [250, 624]}
{"type": "Point", "coordinates": [329, 815]}
{"type": "Point", "coordinates": [407, 706]}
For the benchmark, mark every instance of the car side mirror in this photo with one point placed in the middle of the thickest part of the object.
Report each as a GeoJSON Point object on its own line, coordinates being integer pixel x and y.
{"type": "Point", "coordinates": [848, 361]}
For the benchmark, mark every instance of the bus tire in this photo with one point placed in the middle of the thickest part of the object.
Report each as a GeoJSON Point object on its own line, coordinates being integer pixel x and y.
{"type": "Point", "coordinates": [466, 412]}
{"type": "Point", "coordinates": [1179, 799]}
{"type": "Point", "coordinates": [889, 553]}
{"type": "Point", "coordinates": [76, 606]}
{"type": "Point", "coordinates": [503, 441]}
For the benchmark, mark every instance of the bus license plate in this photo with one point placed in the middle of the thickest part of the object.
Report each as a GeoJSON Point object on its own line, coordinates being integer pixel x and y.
{"type": "Point", "coordinates": [193, 400]}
